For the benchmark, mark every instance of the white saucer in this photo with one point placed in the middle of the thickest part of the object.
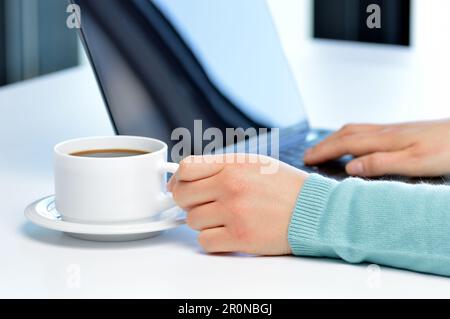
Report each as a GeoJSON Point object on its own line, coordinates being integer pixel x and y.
{"type": "Point", "coordinates": [43, 213]}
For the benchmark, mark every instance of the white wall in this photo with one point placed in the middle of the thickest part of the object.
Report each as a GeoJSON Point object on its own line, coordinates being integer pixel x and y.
{"type": "Point", "coordinates": [358, 82]}
{"type": "Point", "coordinates": [431, 26]}
{"type": "Point", "coordinates": [293, 19]}
{"type": "Point", "coordinates": [429, 17]}
{"type": "Point", "coordinates": [431, 48]}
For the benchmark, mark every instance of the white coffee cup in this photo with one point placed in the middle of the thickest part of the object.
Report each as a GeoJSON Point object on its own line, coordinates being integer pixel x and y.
{"type": "Point", "coordinates": [111, 189]}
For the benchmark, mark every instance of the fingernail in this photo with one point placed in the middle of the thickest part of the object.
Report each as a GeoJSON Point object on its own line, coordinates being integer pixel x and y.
{"type": "Point", "coordinates": [355, 168]}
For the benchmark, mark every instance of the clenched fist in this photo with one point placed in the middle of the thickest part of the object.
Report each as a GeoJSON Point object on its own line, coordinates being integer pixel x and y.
{"type": "Point", "coordinates": [235, 204]}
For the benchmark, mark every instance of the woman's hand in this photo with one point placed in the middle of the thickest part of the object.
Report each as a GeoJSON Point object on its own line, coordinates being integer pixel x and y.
{"type": "Point", "coordinates": [235, 204]}
{"type": "Point", "coordinates": [411, 149]}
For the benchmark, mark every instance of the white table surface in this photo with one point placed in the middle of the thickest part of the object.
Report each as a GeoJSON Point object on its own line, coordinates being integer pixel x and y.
{"type": "Point", "coordinates": [36, 262]}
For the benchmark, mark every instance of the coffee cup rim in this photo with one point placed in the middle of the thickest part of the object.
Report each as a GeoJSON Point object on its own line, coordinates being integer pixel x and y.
{"type": "Point", "coordinates": [58, 152]}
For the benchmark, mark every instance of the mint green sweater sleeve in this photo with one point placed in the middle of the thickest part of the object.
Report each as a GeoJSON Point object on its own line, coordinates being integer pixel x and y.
{"type": "Point", "coordinates": [387, 223]}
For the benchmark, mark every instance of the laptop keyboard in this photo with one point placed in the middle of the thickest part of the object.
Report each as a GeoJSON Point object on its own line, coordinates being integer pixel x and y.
{"type": "Point", "coordinates": [293, 149]}
{"type": "Point", "coordinates": [294, 142]}
{"type": "Point", "coordinates": [293, 154]}
{"type": "Point", "coordinates": [294, 145]}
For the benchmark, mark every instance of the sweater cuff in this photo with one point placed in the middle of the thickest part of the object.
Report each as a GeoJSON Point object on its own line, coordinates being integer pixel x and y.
{"type": "Point", "coordinates": [305, 222]}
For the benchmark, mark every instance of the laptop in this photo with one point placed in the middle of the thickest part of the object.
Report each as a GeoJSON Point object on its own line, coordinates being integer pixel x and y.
{"type": "Point", "coordinates": [167, 64]}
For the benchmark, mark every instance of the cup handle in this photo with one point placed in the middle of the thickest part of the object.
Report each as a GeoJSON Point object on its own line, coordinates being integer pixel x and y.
{"type": "Point", "coordinates": [166, 199]}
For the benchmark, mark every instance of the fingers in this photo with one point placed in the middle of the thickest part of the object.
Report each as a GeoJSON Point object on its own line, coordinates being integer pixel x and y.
{"type": "Point", "coordinates": [210, 215]}
{"type": "Point", "coordinates": [313, 155]}
{"type": "Point", "coordinates": [217, 240]}
{"type": "Point", "coordinates": [192, 185]}
{"type": "Point", "coordinates": [191, 194]}
{"type": "Point", "coordinates": [195, 168]}
{"type": "Point", "coordinates": [351, 129]}
{"type": "Point", "coordinates": [357, 145]}
{"type": "Point", "coordinates": [383, 163]}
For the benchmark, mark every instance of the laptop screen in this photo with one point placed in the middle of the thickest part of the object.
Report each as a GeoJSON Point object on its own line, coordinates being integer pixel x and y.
{"type": "Point", "coordinates": [234, 42]}
{"type": "Point", "coordinates": [237, 44]}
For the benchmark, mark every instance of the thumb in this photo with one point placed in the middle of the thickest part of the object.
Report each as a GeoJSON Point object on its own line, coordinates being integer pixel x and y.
{"type": "Point", "coordinates": [381, 163]}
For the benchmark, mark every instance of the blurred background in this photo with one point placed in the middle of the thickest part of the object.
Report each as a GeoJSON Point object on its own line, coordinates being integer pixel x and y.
{"type": "Point", "coordinates": [34, 39]}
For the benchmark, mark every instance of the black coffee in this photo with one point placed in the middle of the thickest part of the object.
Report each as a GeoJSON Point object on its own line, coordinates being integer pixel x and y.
{"type": "Point", "coordinates": [110, 153]}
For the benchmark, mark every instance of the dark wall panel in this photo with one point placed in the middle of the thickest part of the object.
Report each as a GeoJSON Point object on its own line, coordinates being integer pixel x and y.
{"type": "Point", "coordinates": [2, 44]}
{"type": "Point", "coordinates": [58, 47]}
{"type": "Point", "coordinates": [347, 20]}
{"type": "Point", "coordinates": [34, 39]}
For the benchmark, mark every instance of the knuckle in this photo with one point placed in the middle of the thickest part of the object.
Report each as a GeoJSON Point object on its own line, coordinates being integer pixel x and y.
{"type": "Point", "coordinates": [390, 130]}
{"type": "Point", "coordinates": [374, 163]}
{"type": "Point", "coordinates": [418, 152]}
{"type": "Point", "coordinates": [188, 159]}
{"type": "Point", "coordinates": [181, 172]}
{"type": "Point", "coordinates": [233, 187]}
{"type": "Point", "coordinates": [185, 162]}
{"type": "Point", "coordinates": [391, 136]}
{"type": "Point", "coordinates": [240, 232]}
{"type": "Point", "coordinates": [348, 128]}
{"type": "Point", "coordinates": [233, 182]}
{"type": "Point", "coordinates": [417, 155]}
{"type": "Point", "coordinates": [185, 166]}
{"type": "Point", "coordinates": [238, 222]}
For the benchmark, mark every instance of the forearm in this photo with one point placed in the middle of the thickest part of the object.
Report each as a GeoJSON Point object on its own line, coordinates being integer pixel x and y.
{"type": "Point", "coordinates": [387, 223]}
